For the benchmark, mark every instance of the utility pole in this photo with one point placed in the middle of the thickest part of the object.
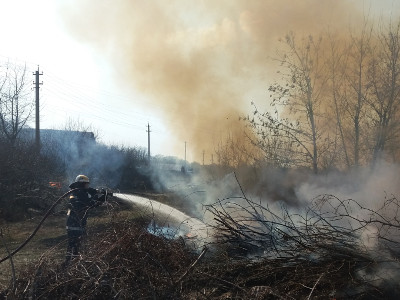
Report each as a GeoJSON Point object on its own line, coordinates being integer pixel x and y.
{"type": "Point", "coordinates": [37, 130]}
{"type": "Point", "coordinates": [203, 157]}
{"type": "Point", "coordinates": [185, 155]}
{"type": "Point", "coordinates": [148, 141]}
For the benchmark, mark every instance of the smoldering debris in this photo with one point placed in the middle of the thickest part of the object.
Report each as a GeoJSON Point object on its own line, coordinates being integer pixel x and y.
{"type": "Point", "coordinates": [330, 233]}
{"type": "Point", "coordinates": [257, 251]}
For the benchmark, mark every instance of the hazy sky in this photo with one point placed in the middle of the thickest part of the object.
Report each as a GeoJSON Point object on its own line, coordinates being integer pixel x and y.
{"type": "Point", "coordinates": [189, 68]}
{"type": "Point", "coordinates": [77, 81]}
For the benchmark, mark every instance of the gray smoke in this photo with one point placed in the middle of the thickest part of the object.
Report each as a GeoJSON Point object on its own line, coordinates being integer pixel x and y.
{"type": "Point", "coordinates": [79, 153]}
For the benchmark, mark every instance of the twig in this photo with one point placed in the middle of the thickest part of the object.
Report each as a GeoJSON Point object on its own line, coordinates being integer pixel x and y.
{"type": "Point", "coordinates": [312, 290]}
{"type": "Point", "coordinates": [240, 186]}
{"type": "Point", "coordinates": [192, 265]}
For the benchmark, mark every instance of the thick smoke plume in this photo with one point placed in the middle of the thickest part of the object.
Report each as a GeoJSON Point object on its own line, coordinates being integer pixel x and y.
{"type": "Point", "coordinates": [199, 63]}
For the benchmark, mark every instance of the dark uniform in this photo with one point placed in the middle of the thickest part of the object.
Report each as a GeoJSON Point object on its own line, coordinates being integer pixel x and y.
{"type": "Point", "coordinates": [80, 201]}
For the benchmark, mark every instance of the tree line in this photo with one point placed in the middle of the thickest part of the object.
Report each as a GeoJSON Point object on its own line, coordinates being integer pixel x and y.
{"type": "Point", "coordinates": [336, 103]}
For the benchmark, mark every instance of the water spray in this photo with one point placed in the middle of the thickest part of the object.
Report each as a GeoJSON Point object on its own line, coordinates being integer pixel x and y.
{"type": "Point", "coordinates": [177, 221]}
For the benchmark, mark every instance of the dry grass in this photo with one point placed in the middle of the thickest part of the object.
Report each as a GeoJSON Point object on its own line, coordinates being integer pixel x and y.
{"type": "Point", "coordinates": [248, 259]}
{"type": "Point", "coordinates": [51, 240]}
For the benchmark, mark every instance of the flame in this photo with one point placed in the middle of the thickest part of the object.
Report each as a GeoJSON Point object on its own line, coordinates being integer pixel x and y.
{"type": "Point", "coordinates": [190, 236]}
{"type": "Point", "coordinates": [55, 184]}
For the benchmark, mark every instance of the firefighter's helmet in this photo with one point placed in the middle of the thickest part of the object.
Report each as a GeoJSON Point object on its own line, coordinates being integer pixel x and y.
{"type": "Point", "coordinates": [82, 178]}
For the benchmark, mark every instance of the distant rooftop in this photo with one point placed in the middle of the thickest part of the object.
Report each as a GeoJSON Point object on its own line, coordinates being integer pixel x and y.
{"type": "Point", "coordinates": [45, 134]}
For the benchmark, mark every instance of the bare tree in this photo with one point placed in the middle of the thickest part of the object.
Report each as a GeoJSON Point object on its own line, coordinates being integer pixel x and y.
{"type": "Point", "coordinates": [235, 151]}
{"type": "Point", "coordinates": [298, 95]}
{"type": "Point", "coordinates": [78, 125]}
{"type": "Point", "coordinates": [336, 69]}
{"type": "Point", "coordinates": [276, 145]}
{"type": "Point", "coordinates": [347, 62]}
{"type": "Point", "coordinates": [385, 82]}
{"type": "Point", "coordinates": [15, 103]}
{"type": "Point", "coordinates": [360, 56]}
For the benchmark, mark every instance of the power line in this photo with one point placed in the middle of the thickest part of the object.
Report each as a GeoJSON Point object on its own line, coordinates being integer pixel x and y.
{"type": "Point", "coordinates": [76, 106]}
{"type": "Point", "coordinates": [75, 92]}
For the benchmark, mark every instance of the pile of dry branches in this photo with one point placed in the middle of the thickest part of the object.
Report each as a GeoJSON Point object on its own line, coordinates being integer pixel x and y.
{"type": "Point", "coordinates": [333, 247]}
{"type": "Point", "coordinates": [124, 262]}
{"type": "Point", "coordinates": [256, 253]}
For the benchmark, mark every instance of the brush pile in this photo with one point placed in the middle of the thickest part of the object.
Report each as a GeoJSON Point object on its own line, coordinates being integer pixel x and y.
{"type": "Point", "coordinates": [326, 252]}
{"type": "Point", "coordinates": [334, 248]}
{"type": "Point", "coordinates": [124, 262]}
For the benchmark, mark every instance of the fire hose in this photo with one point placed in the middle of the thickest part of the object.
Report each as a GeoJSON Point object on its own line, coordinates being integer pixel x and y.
{"type": "Point", "coordinates": [37, 227]}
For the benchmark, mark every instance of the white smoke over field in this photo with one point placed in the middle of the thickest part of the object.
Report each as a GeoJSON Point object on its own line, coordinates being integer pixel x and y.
{"type": "Point", "coordinates": [367, 196]}
{"type": "Point", "coordinates": [336, 214]}
{"type": "Point", "coordinates": [367, 185]}
{"type": "Point", "coordinates": [370, 187]}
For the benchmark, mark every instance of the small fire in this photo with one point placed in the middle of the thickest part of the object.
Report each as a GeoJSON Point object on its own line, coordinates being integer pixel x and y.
{"type": "Point", "coordinates": [190, 236]}
{"type": "Point", "coordinates": [55, 184]}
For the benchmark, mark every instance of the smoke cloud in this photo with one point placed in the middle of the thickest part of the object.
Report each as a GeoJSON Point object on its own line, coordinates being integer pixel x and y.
{"type": "Point", "coordinates": [200, 63]}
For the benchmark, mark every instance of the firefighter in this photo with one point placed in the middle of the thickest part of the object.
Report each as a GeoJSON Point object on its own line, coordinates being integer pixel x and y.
{"type": "Point", "coordinates": [81, 200]}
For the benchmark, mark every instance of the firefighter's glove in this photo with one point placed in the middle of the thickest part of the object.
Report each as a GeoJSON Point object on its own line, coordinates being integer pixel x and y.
{"type": "Point", "coordinates": [106, 192]}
